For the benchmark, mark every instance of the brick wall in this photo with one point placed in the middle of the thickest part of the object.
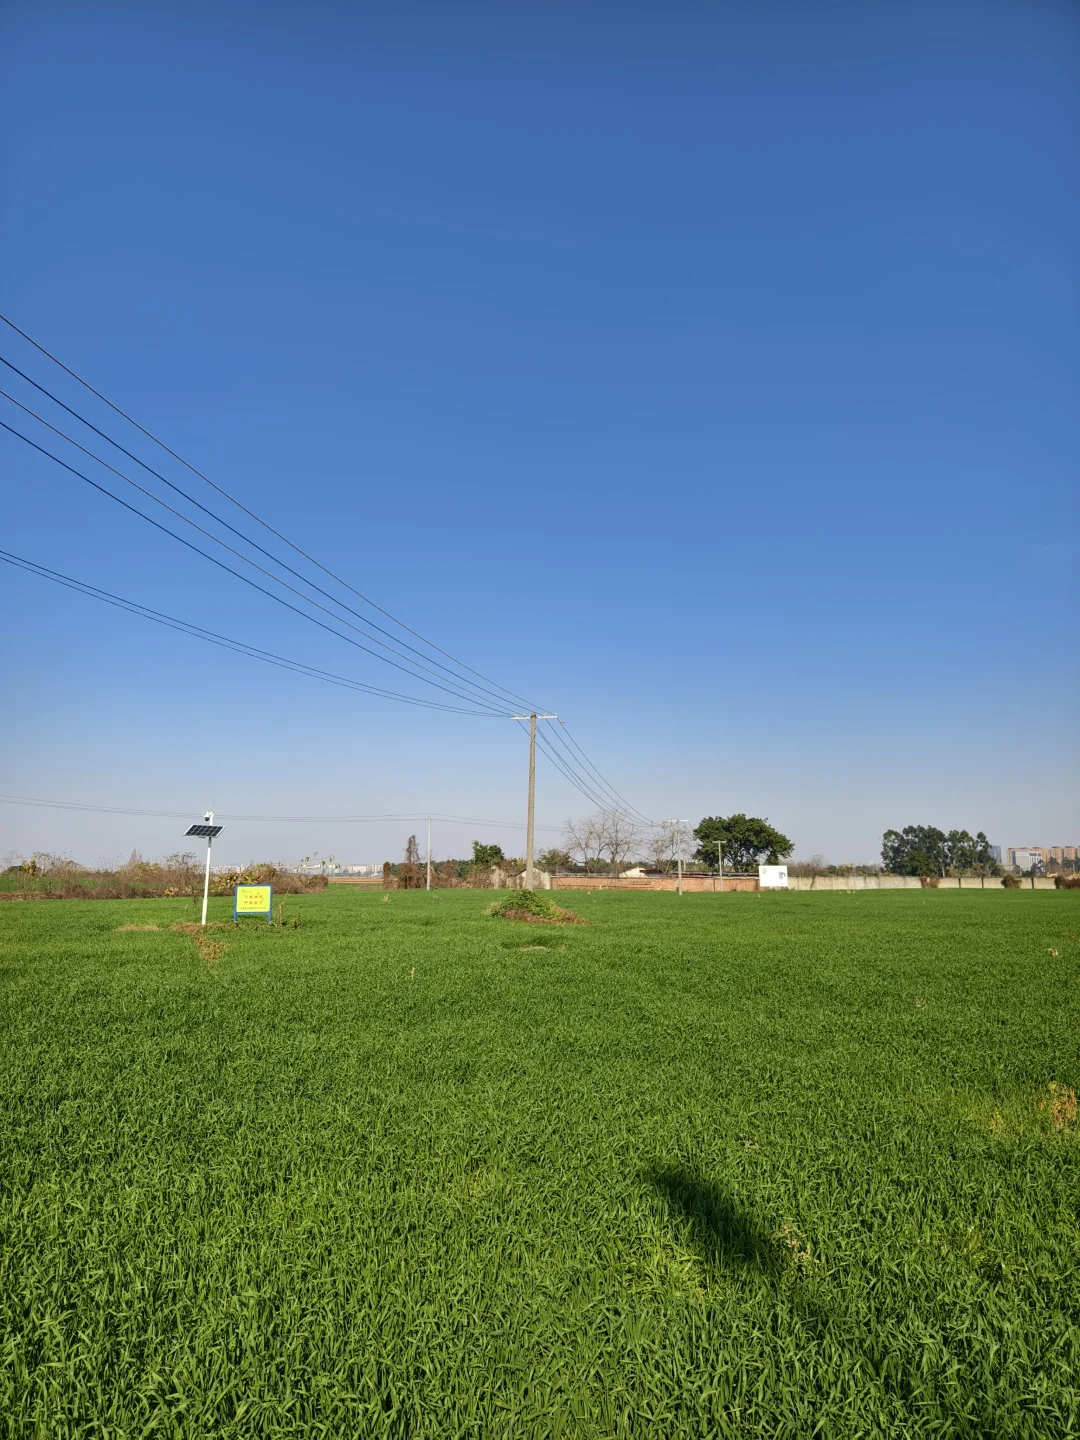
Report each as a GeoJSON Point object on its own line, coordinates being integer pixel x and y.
{"type": "Point", "coordinates": [654, 882]}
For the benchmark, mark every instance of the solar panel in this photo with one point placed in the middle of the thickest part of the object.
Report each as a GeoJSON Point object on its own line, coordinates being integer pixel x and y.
{"type": "Point", "coordinates": [207, 832]}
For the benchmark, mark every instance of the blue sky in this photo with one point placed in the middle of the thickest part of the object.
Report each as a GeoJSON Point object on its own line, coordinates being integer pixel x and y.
{"type": "Point", "coordinates": [707, 374]}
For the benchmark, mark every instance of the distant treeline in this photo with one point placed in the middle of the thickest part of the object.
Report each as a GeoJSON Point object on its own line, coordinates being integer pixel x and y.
{"type": "Point", "coordinates": [56, 877]}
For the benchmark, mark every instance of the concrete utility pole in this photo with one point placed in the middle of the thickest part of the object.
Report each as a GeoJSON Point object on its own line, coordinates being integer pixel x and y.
{"type": "Point", "coordinates": [529, 825]}
{"type": "Point", "coordinates": [429, 852]}
{"type": "Point", "coordinates": [678, 832]}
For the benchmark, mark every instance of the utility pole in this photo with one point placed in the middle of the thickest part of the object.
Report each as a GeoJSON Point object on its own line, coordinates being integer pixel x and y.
{"type": "Point", "coordinates": [675, 833]}
{"type": "Point", "coordinates": [429, 852]}
{"type": "Point", "coordinates": [529, 825]}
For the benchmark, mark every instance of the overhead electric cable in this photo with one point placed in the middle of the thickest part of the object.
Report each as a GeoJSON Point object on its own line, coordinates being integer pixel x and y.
{"type": "Point", "coordinates": [222, 566]}
{"type": "Point", "coordinates": [268, 819]}
{"type": "Point", "coordinates": [251, 514]}
{"type": "Point", "coordinates": [574, 780]}
{"type": "Point", "coordinates": [582, 786]}
{"type": "Point", "coordinates": [241, 647]}
{"type": "Point", "coordinates": [560, 729]}
{"type": "Point", "coordinates": [606, 801]}
{"type": "Point", "coordinates": [459, 681]}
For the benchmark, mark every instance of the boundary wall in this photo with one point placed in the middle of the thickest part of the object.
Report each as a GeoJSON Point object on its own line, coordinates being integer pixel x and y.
{"type": "Point", "coordinates": [817, 883]}
{"type": "Point", "coordinates": [654, 882]}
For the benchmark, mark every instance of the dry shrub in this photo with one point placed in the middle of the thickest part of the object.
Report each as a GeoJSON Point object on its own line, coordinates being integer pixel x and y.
{"type": "Point", "coordinates": [210, 951]}
{"type": "Point", "coordinates": [1011, 882]}
{"type": "Point", "coordinates": [284, 881]}
{"type": "Point", "coordinates": [55, 878]}
{"type": "Point", "coordinates": [799, 1250]}
{"type": "Point", "coordinates": [567, 917]}
{"type": "Point", "coordinates": [929, 882]}
{"type": "Point", "coordinates": [1060, 1106]}
{"type": "Point", "coordinates": [1067, 882]}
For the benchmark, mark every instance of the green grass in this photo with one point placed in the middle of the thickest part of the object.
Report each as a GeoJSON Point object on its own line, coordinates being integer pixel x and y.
{"type": "Point", "coordinates": [726, 1166]}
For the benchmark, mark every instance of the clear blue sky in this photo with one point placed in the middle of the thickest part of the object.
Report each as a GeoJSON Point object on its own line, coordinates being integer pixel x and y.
{"type": "Point", "coordinates": [707, 373]}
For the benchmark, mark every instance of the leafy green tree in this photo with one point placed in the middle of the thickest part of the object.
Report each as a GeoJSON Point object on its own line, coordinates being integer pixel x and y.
{"type": "Point", "coordinates": [555, 860]}
{"type": "Point", "coordinates": [985, 863]}
{"type": "Point", "coordinates": [745, 840]}
{"type": "Point", "coordinates": [915, 850]}
{"type": "Point", "coordinates": [963, 851]}
{"type": "Point", "coordinates": [487, 854]}
{"type": "Point", "coordinates": [925, 850]}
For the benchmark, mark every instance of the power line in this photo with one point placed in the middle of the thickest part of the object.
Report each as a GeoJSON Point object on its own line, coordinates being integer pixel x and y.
{"type": "Point", "coordinates": [579, 784]}
{"type": "Point", "coordinates": [623, 803]}
{"type": "Point", "coordinates": [222, 566]}
{"type": "Point", "coordinates": [460, 680]}
{"type": "Point", "coordinates": [276, 579]}
{"type": "Point", "coordinates": [267, 819]}
{"type": "Point", "coordinates": [571, 767]}
{"type": "Point", "coordinates": [254, 652]}
{"type": "Point", "coordinates": [251, 514]}
{"type": "Point", "coordinates": [241, 647]}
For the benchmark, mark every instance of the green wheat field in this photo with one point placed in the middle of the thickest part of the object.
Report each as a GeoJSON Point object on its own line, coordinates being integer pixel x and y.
{"type": "Point", "coordinates": [747, 1166]}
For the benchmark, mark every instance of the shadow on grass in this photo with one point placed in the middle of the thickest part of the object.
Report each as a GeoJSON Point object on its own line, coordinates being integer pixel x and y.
{"type": "Point", "coordinates": [726, 1237]}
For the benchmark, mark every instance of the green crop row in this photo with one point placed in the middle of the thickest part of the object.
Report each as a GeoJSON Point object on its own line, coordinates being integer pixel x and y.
{"type": "Point", "coordinates": [739, 1166]}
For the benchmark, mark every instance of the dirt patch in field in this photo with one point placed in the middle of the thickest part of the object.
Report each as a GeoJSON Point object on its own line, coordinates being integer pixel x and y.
{"type": "Point", "coordinates": [192, 927]}
{"type": "Point", "coordinates": [528, 918]}
{"type": "Point", "coordinates": [121, 928]}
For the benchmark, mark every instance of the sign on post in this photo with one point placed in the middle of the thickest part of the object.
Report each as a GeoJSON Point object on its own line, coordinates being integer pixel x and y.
{"type": "Point", "coordinates": [772, 877]}
{"type": "Point", "coordinates": [253, 900]}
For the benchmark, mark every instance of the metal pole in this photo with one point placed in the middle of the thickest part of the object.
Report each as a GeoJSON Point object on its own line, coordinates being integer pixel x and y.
{"type": "Point", "coordinates": [720, 864]}
{"type": "Point", "coordinates": [429, 852]}
{"type": "Point", "coordinates": [206, 882]}
{"type": "Point", "coordinates": [678, 834]}
{"type": "Point", "coordinates": [532, 804]}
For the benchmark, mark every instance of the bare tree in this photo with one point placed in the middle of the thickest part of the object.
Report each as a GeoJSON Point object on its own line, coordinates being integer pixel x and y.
{"type": "Point", "coordinates": [664, 841]}
{"type": "Point", "coordinates": [620, 836]}
{"type": "Point", "coordinates": [584, 838]}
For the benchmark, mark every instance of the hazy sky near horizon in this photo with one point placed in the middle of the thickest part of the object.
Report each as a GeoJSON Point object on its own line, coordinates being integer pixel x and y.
{"type": "Point", "coordinates": [707, 373]}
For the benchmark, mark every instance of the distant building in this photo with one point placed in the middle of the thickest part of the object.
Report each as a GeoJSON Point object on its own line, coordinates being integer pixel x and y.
{"type": "Point", "coordinates": [1020, 857]}
{"type": "Point", "coordinates": [1039, 857]}
{"type": "Point", "coordinates": [995, 853]}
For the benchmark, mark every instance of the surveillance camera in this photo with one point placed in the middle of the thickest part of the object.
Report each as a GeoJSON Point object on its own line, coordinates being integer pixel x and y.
{"type": "Point", "coordinates": [206, 817]}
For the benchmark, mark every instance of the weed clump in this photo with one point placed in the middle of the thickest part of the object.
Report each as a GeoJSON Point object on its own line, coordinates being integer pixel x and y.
{"type": "Point", "coordinates": [534, 909]}
{"type": "Point", "coordinates": [210, 951]}
{"type": "Point", "coordinates": [1060, 1106]}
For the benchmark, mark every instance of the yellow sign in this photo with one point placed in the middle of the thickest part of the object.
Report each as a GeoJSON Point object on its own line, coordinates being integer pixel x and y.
{"type": "Point", "coordinates": [253, 899]}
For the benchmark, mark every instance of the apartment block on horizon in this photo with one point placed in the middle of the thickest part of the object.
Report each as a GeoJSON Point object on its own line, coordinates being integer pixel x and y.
{"type": "Point", "coordinates": [1023, 857]}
